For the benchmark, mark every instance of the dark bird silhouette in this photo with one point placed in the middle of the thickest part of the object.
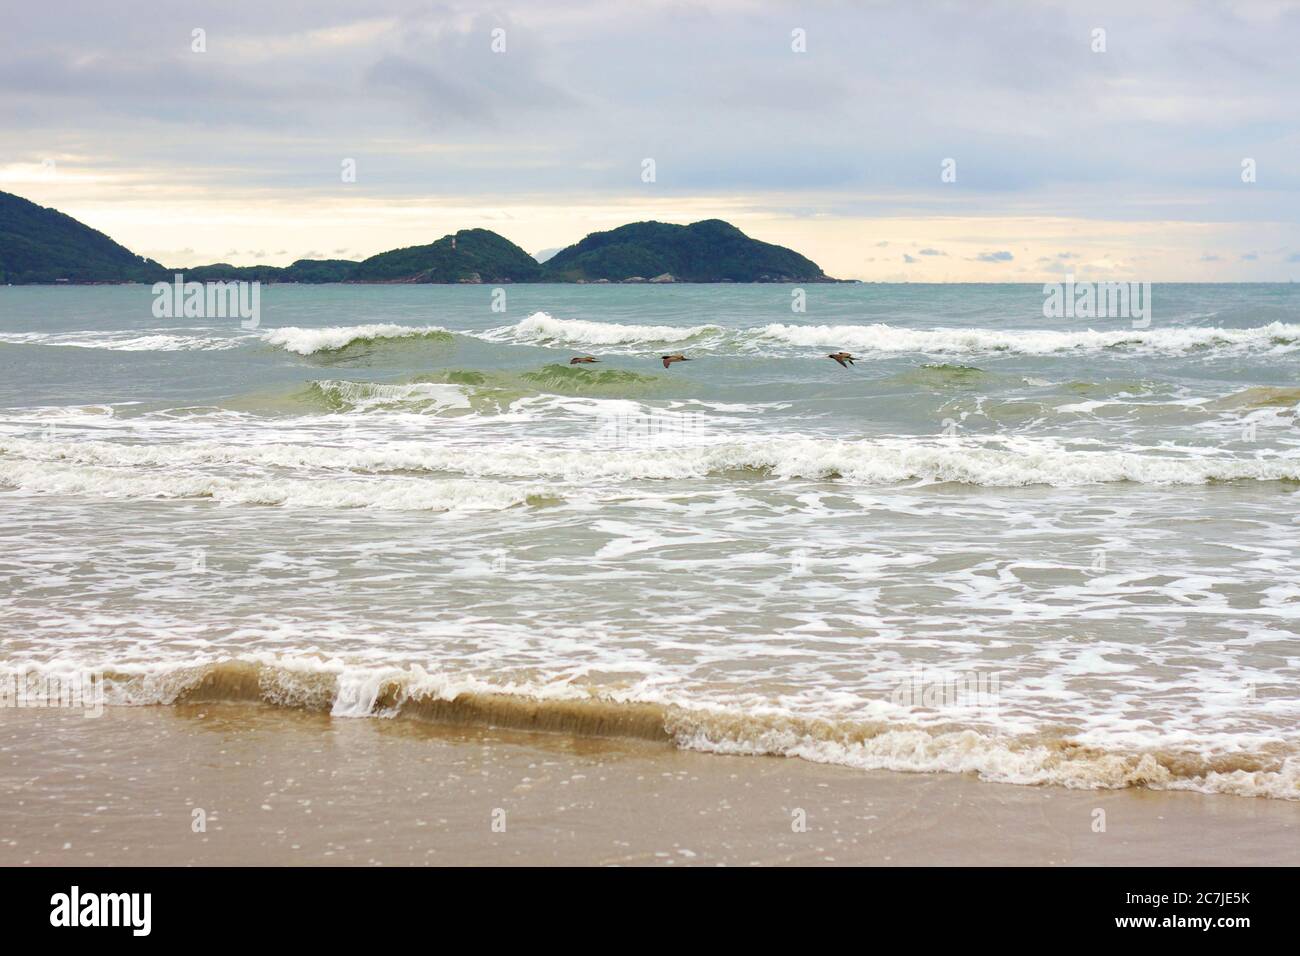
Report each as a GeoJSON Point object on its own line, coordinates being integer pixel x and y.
{"type": "Point", "coordinates": [670, 359]}
{"type": "Point", "coordinates": [844, 358]}
{"type": "Point", "coordinates": [582, 359]}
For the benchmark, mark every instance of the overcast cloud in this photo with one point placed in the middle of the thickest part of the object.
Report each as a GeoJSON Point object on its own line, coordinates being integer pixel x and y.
{"type": "Point", "coordinates": [1130, 160]}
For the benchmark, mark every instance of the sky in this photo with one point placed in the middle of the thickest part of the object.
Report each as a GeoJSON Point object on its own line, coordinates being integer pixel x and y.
{"type": "Point", "coordinates": [921, 140]}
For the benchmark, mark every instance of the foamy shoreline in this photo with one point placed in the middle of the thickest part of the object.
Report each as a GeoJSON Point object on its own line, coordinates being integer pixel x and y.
{"type": "Point", "coordinates": [893, 735]}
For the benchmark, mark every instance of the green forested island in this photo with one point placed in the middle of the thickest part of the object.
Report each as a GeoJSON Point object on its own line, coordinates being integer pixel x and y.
{"type": "Point", "coordinates": [706, 251]}
{"type": "Point", "coordinates": [471, 255]}
{"type": "Point", "coordinates": [40, 245]}
{"type": "Point", "coordinates": [44, 245]}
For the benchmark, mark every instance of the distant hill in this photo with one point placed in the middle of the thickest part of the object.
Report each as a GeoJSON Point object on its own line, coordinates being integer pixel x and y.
{"type": "Point", "coordinates": [471, 255]}
{"type": "Point", "coordinates": [44, 245]}
{"type": "Point", "coordinates": [319, 270]}
{"type": "Point", "coordinates": [304, 270]}
{"type": "Point", "coordinates": [706, 251]}
{"type": "Point", "coordinates": [39, 245]}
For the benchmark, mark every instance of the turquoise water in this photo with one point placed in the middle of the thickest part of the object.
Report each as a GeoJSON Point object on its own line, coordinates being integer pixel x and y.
{"type": "Point", "coordinates": [1090, 527]}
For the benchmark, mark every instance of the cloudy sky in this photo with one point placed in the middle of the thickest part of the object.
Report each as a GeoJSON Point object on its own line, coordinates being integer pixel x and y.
{"type": "Point", "coordinates": [1125, 163]}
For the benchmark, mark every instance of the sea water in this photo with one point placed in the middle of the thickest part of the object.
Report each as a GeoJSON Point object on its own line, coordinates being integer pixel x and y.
{"type": "Point", "coordinates": [1042, 550]}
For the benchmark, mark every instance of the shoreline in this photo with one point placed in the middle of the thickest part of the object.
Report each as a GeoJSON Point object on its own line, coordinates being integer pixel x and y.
{"type": "Point", "coordinates": [1048, 756]}
{"type": "Point", "coordinates": [270, 786]}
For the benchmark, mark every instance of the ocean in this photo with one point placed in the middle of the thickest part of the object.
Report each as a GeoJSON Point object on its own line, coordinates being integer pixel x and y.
{"type": "Point", "coordinates": [1041, 551]}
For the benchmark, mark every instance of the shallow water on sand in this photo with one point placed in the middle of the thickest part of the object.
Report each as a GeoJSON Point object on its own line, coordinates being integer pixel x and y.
{"type": "Point", "coordinates": [1040, 550]}
{"type": "Point", "coordinates": [242, 784]}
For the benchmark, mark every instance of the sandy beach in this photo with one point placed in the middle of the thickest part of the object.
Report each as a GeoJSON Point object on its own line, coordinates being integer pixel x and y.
{"type": "Point", "coordinates": [225, 784]}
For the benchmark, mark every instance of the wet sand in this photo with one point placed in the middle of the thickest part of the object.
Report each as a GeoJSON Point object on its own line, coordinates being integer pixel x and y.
{"type": "Point", "coordinates": [224, 784]}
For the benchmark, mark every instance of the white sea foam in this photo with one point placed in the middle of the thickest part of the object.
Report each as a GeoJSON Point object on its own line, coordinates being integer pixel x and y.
{"type": "Point", "coordinates": [309, 341]}
{"type": "Point", "coordinates": [1001, 463]}
{"type": "Point", "coordinates": [998, 760]}
{"type": "Point", "coordinates": [150, 340]}
{"type": "Point", "coordinates": [390, 494]}
{"type": "Point", "coordinates": [1172, 341]}
{"type": "Point", "coordinates": [542, 329]}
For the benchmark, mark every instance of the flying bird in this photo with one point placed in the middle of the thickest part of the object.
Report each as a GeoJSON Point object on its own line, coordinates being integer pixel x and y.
{"type": "Point", "coordinates": [670, 359]}
{"type": "Point", "coordinates": [578, 360]}
{"type": "Point", "coordinates": [844, 358]}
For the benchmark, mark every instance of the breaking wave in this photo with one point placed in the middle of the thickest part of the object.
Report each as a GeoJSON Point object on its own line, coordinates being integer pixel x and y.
{"type": "Point", "coordinates": [389, 494]}
{"type": "Point", "coordinates": [1271, 769]}
{"type": "Point", "coordinates": [305, 341]}
{"type": "Point", "coordinates": [49, 465]}
{"type": "Point", "coordinates": [1170, 341]}
{"type": "Point", "coordinates": [542, 329]}
{"type": "Point", "coordinates": [146, 340]}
